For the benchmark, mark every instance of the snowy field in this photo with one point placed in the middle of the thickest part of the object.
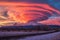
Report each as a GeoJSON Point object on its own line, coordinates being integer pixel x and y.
{"type": "Point", "coordinates": [50, 36]}
{"type": "Point", "coordinates": [11, 33]}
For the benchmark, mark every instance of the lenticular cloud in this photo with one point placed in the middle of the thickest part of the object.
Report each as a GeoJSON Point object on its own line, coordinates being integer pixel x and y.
{"type": "Point", "coordinates": [51, 21]}
{"type": "Point", "coordinates": [26, 12]}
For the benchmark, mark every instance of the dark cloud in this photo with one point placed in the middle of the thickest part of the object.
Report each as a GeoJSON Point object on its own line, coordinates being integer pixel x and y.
{"type": "Point", "coordinates": [31, 1]}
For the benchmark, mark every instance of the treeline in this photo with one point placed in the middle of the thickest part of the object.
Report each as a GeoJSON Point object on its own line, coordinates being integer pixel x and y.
{"type": "Point", "coordinates": [31, 28]}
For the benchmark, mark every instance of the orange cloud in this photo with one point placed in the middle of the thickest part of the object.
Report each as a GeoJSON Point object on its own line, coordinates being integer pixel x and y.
{"type": "Point", "coordinates": [23, 12]}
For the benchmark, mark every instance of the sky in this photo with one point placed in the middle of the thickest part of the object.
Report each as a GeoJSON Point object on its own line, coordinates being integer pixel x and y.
{"type": "Point", "coordinates": [25, 11]}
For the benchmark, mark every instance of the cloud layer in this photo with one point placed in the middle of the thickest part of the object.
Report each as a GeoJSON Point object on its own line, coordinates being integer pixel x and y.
{"type": "Point", "coordinates": [24, 12]}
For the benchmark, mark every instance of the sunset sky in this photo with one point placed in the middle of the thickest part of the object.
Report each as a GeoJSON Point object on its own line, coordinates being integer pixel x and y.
{"type": "Point", "coordinates": [25, 11]}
